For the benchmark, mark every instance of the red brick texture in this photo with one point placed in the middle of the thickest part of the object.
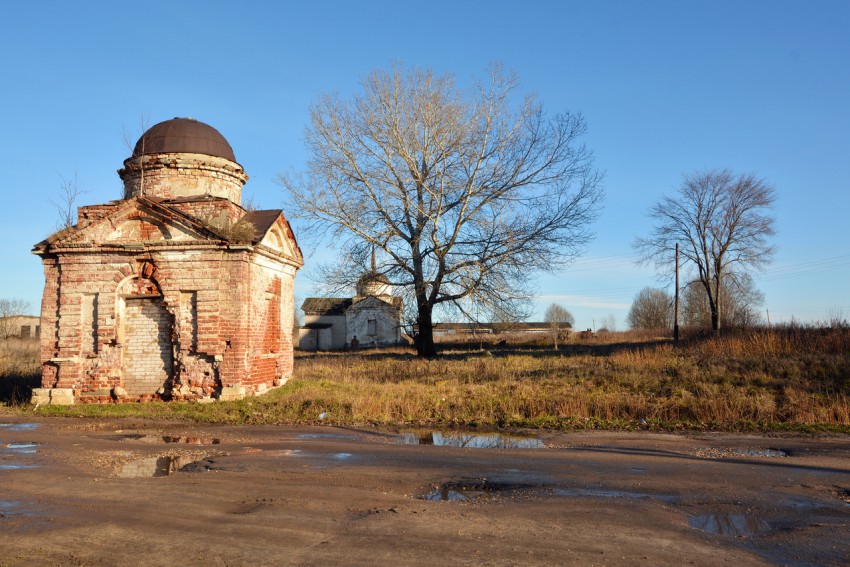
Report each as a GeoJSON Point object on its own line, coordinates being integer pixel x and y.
{"type": "Point", "coordinates": [141, 302]}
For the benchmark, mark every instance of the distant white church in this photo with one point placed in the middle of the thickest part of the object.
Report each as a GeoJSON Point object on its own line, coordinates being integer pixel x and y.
{"type": "Point", "coordinates": [372, 318]}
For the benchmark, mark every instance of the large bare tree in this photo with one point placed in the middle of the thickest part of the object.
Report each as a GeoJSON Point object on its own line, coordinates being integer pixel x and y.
{"type": "Point", "coordinates": [464, 192]}
{"type": "Point", "coordinates": [724, 223]}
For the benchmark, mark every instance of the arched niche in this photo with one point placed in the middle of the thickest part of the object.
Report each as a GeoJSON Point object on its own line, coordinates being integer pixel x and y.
{"type": "Point", "coordinates": [145, 334]}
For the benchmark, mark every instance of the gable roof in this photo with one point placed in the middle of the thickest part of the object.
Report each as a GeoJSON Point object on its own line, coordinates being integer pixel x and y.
{"type": "Point", "coordinates": [260, 223]}
{"type": "Point", "coordinates": [115, 209]}
{"type": "Point", "coordinates": [364, 300]}
{"type": "Point", "coordinates": [326, 305]}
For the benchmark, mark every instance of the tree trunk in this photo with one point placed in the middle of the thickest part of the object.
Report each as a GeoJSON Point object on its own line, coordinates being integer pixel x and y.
{"type": "Point", "coordinates": [425, 337]}
{"type": "Point", "coordinates": [715, 321]}
{"type": "Point", "coordinates": [715, 304]}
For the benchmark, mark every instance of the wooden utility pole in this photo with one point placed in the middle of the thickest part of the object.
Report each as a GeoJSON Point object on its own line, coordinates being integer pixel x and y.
{"type": "Point", "coordinates": [676, 301]}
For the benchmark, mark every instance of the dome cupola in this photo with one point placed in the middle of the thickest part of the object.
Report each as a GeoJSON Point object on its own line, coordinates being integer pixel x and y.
{"type": "Point", "coordinates": [373, 282]}
{"type": "Point", "coordinates": [183, 157]}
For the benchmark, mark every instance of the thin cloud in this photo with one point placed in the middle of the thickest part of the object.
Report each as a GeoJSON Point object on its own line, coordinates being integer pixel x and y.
{"type": "Point", "coordinates": [583, 301]}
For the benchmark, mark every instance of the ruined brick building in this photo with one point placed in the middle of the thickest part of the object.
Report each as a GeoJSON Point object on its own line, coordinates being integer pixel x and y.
{"type": "Point", "coordinates": [174, 291]}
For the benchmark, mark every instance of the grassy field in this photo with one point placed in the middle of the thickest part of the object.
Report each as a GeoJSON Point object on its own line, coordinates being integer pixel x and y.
{"type": "Point", "coordinates": [781, 379]}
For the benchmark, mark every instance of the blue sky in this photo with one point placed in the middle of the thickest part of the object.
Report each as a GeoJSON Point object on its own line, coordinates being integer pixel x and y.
{"type": "Point", "coordinates": [667, 88]}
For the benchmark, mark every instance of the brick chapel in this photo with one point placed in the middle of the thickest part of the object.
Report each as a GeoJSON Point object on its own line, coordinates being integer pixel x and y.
{"type": "Point", "coordinates": [174, 292]}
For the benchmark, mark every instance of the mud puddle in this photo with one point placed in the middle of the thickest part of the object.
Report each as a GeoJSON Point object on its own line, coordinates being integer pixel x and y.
{"type": "Point", "coordinates": [473, 440]}
{"type": "Point", "coordinates": [768, 453]}
{"type": "Point", "coordinates": [613, 494]}
{"type": "Point", "coordinates": [191, 440]}
{"type": "Point", "coordinates": [155, 466]}
{"type": "Point", "coordinates": [21, 448]}
{"type": "Point", "coordinates": [729, 524]}
{"type": "Point", "coordinates": [19, 426]}
{"type": "Point", "coordinates": [326, 436]}
{"type": "Point", "coordinates": [11, 508]}
{"type": "Point", "coordinates": [316, 460]}
{"type": "Point", "coordinates": [180, 439]}
{"type": "Point", "coordinates": [15, 466]}
{"type": "Point", "coordinates": [466, 490]}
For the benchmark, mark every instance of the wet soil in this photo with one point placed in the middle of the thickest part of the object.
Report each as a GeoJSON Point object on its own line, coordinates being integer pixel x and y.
{"type": "Point", "coordinates": [110, 492]}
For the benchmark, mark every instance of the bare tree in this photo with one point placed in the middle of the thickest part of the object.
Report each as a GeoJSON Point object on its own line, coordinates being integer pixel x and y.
{"type": "Point", "coordinates": [652, 308]}
{"type": "Point", "coordinates": [466, 192]}
{"type": "Point", "coordinates": [132, 143]}
{"type": "Point", "coordinates": [608, 324]}
{"type": "Point", "coordinates": [559, 320]}
{"type": "Point", "coordinates": [66, 202]}
{"type": "Point", "coordinates": [10, 309]}
{"type": "Point", "coordinates": [724, 224]}
{"type": "Point", "coordinates": [740, 300]}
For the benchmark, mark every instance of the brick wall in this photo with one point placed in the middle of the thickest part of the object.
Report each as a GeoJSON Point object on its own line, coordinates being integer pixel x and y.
{"type": "Point", "coordinates": [138, 304]}
{"type": "Point", "coordinates": [147, 346]}
{"type": "Point", "coordinates": [172, 175]}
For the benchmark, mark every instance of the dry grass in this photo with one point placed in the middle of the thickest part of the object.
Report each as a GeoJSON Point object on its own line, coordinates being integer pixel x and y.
{"type": "Point", "coordinates": [793, 378]}
{"type": "Point", "coordinates": [20, 370]}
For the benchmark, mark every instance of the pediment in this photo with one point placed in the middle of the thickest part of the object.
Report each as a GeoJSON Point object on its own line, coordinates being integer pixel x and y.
{"type": "Point", "coordinates": [130, 221]}
{"type": "Point", "coordinates": [277, 240]}
{"type": "Point", "coordinates": [274, 232]}
{"type": "Point", "coordinates": [374, 302]}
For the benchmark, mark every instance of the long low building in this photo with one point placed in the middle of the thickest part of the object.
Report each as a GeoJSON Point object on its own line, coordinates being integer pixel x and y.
{"type": "Point", "coordinates": [491, 328]}
{"type": "Point", "coordinates": [20, 327]}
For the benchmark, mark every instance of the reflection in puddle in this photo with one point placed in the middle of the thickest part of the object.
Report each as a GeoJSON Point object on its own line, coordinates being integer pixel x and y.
{"type": "Point", "coordinates": [729, 524]}
{"type": "Point", "coordinates": [131, 436]}
{"type": "Point", "coordinates": [326, 436]}
{"type": "Point", "coordinates": [19, 426]}
{"type": "Point", "coordinates": [761, 453]}
{"type": "Point", "coordinates": [191, 440]}
{"type": "Point", "coordinates": [476, 440]}
{"type": "Point", "coordinates": [603, 493]}
{"type": "Point", "coordinates": [183, 439]}
{"type": "Point", "coordinates": [9, 508]}
{"type": "Point", "coordinates": [447, 494]}
{"type": "Point", "coordinates": [470, 490]}
{"type": "Point", "coordinates": [15, 466]}
{"type": "Point", "coordinates": [315, 460]}
{"type": "Point", "coordinates": [154, 467]}
{"type": "Point", "coordinates": [21, 447]}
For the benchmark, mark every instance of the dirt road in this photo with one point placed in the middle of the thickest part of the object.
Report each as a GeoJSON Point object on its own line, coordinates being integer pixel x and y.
{"type": "Point", "coordinates": [83, 492]}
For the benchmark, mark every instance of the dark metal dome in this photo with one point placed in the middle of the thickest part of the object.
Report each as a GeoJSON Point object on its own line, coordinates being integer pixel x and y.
{"type": "Point", "coordinates": [183, 135]}
{"type": "Point", "coordinates": [373, 277]}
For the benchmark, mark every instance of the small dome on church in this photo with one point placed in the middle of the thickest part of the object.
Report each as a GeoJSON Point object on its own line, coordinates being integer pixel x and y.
{"type": "Point", "coordinates": [374, 283]}
{"type": "Point", "coordinates": [183, 135]}
{"type": "Point", "coordinates": [373, 277]}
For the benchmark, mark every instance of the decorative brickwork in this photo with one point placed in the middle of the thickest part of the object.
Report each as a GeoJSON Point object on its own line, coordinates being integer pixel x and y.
{"type": "Point", "coordinates": [155, 297]}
